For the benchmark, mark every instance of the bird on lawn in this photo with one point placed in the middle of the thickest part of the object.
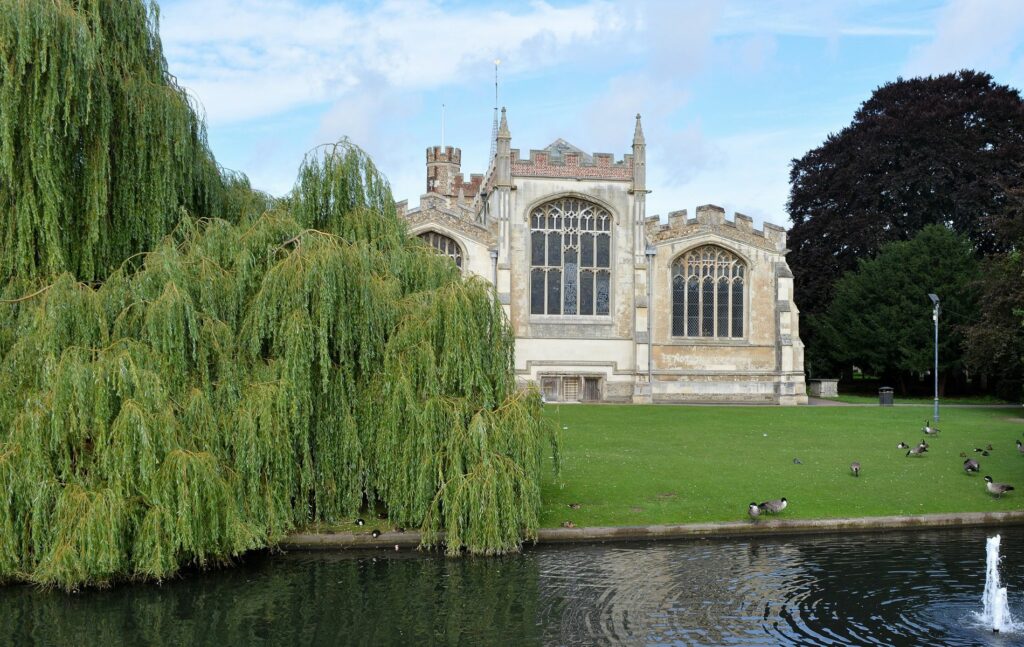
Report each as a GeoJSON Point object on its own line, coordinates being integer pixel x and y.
{"type": "Point", "coordinates": [855, 468]}
{"type": "Point", "coordinates": [360, 522]}
{"type": "Point", "coordinates": [773, 506]}
{"type": "Point", "coordinates": [375, 533]}
{"type": "Point", "coordinates": [971, 465]}
{"type": "Point", "coordinates": [902, 445]}
{"type": "Point", "coordinates": [917, 451]}
{"type": "Point", "coordinates": [984, 453]}
{"type": "Point", "coordinates": [998, 489]}
{"type": "Point", "coordinates": [574, 506]}
{"type": "Point", "coordinates": [928, 429]}
{"type": "Point", "coordinates": [1020, 447]}
{"type": "Point", "coordinates": [963, 454]}
{"type": "Point", "coordinates": [797, 461]}
{"type": "Point", "coordinates": [568, 524]}
{"type": "Point", "coordinates": [978, 449]}
{"type": "Point", "coordinates": [753, 510]}
{"type": "Point", "coordinates": [923, 443]}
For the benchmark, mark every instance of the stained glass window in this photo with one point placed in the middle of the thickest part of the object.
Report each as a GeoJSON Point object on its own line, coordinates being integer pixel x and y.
{"type": "Point", "coordinates": [444, 245]}
{"type": "Point", "coordinates": [570, 258]}
{"type": "Point", "coordinates": [707, 294]}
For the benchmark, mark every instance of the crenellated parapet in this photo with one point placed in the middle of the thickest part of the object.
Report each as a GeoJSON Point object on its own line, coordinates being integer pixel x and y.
{"type": "Point", "coordinates": [445, 154]}
{"type": "Point", "coordinates": [455, 216]}
{"type": "Point", "coordinates": [711, 218]}
{"type": "Point", "coordinates": [572, 164]}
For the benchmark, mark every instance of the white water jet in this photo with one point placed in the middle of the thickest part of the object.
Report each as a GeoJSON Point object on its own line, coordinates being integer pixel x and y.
{"type": "Point", "coordinates": [996, 611]}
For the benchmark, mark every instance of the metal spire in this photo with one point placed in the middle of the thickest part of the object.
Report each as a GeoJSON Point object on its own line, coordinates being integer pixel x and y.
{"type": "Point", "coordinates": [494, 127]}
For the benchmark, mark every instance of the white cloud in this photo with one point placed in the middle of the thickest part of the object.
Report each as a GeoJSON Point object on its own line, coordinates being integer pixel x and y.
{"type": "Point", "coordinates": [985, 35]}
{"type": "Point", "coordinates": [252, 58]}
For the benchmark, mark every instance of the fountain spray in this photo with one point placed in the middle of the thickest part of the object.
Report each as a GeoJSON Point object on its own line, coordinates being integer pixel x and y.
{"type": "Point", "coordinates": [996, 611]}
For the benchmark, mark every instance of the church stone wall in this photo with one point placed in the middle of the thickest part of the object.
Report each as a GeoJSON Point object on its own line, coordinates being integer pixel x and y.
{"type": "Point", "coordinates": [609, 357]}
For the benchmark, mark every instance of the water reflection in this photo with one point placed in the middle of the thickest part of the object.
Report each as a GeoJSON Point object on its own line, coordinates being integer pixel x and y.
{"type": "Point", "coordinates": [880, 589]}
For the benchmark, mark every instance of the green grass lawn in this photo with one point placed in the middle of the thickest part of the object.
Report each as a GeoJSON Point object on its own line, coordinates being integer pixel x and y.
{"type": "Point", "coordinates": [633, 465]}
{"type": "Point", "coordinates": [873, 399]}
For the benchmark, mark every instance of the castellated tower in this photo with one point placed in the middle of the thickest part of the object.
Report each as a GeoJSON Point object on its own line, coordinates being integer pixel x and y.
{"type": "Point", "coordinates": [443, 164]}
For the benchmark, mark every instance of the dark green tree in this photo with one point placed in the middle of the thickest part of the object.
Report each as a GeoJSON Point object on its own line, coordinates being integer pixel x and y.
{"type": "Point", "coordinates": [919, 151]}
{"type": "Point", "coordinates": [880, 317]}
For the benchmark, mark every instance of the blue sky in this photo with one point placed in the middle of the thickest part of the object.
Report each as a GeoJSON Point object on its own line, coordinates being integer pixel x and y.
{"type": "Point", "coordinates": [730, 92]}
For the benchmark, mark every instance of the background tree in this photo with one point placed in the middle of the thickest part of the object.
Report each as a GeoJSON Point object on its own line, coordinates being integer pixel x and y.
{"type": "Point", "coordinates": [879, 319]}
{"type": "Point", "coordinates": [919, 151]}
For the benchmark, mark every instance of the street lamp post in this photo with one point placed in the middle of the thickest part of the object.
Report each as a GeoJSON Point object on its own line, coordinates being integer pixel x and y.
{"type": "Point", "coordinates": [935, 318]}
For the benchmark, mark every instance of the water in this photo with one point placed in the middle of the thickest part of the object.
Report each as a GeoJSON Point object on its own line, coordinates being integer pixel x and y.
{"type": "Point", "coordinates": [995, 612]}
{"type": "Point", "coordinates": [913, 588]}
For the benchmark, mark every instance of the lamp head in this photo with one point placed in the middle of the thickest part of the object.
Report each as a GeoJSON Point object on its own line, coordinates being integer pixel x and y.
{"type": "Point", "coordinates": [650, 251]}
{"type": "Point", "coordinates": [934, 298]}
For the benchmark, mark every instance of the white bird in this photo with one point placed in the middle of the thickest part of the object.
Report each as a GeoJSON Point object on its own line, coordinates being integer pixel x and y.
{"type": "Point", "coordinates": [753, 510]}
{"type": "Point", "coordinates": [855, 468]}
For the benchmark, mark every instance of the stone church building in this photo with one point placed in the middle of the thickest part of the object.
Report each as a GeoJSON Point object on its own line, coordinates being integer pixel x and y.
{"type": "Point", "coordinates": [606, 303]}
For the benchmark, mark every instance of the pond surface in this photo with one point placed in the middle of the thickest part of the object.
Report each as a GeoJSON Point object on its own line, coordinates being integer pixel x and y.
{"type": "Point", "coordinates": [907, 588]}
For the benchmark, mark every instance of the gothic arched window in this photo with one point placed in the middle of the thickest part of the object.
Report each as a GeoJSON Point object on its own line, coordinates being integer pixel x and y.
{"type": "Point", "coordinates": [444, 245]}
{"type": "Point", "coordinates": [707, 293]}
{"type": "Point", "coordinates": [570, 258]}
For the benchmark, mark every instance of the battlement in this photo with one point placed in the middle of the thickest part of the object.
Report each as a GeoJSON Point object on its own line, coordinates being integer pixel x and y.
{"type": "Point", "coordinates": [468, 189]}
{"type": "Point", "coordinates": [551, 162]}
{"type": "Point", "coordinates": [711, 216]}
{"type": "Point", "coordinates": [444, 154]}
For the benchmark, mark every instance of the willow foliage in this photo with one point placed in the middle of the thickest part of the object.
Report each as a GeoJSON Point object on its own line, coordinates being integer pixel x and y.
{"type": "Point", "coordinates": [241, 380]}
{"type": "Point", "coordinates": [99, 146]}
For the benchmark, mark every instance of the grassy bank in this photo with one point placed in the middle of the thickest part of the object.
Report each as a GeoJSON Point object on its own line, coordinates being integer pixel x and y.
{"type": "Point", "coordinates": [633, 465]}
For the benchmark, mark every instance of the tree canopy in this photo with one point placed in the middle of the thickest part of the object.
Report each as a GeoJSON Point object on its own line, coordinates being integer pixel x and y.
{"type": "Point", "coordinates": [880, 318]}
{"type": "Point", "coordinates": [190, 369]}
{"type": "Point", "coordinates": [100, 149]}
{"type": "Point", "coordinates": [935, 150]}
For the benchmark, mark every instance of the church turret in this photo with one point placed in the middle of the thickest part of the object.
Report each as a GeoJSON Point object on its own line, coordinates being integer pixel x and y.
{"type": "Point", "coordinates": [503, 156]}
{"type": "Point", "coordinates": [443, 164]}
{"type": "Point", "coordinates": [639, 191]}
{"type": "Point", "coordinates": [639, 157]}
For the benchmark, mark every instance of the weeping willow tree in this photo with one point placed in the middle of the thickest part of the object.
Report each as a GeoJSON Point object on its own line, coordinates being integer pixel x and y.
{"type": "Point", "coordinates": [244, 379]}
{"type": "Point", "coordinates": [100, 149]}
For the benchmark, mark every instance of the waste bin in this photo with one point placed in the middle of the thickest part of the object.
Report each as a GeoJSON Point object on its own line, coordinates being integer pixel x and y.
{"type": "Point", "coordinates": [885, 396]}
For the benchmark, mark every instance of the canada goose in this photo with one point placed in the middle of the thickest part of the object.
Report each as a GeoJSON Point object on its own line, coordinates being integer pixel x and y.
{"type": "Point", "coordinates": [574, 506]}
{"type": "Point", "coordinates": [1020, 447]}
{"type": "Point", "coordinates": [923, 443]}
{"type": "Point", "coordinates": [855, 468]}
{"type": "Point", "coordinates": [984, 453]}
{"type": "Point", "coordinates": [928, 429]}
{"type": "Point", "coordinates": [978, 449]}
{"type": "Point", "coordinates": [797, 461]}
{"type": "Point", "coordinates": [568, 524]}
{"type": "Point", "coordinates": [963, 454]}
{"type": "Point", "coordinates": [360, 522]}
{"type": "Point", "coordinates": [902, 445]}
{"type": "Point", "coordinates": [773, 506]}
{"type": "Point", "coordinates": [753, 510]}
{"type": "Point", "coordinates": [988, 446]}
{"type": "Point", "coordinates": [917, 451]}
{"type": "Point", "coordinates": [998, 489]}
{"type": "Point", "coordinates": [971, 465]}
{"type": "Point", "coordinates": [375, 533]}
